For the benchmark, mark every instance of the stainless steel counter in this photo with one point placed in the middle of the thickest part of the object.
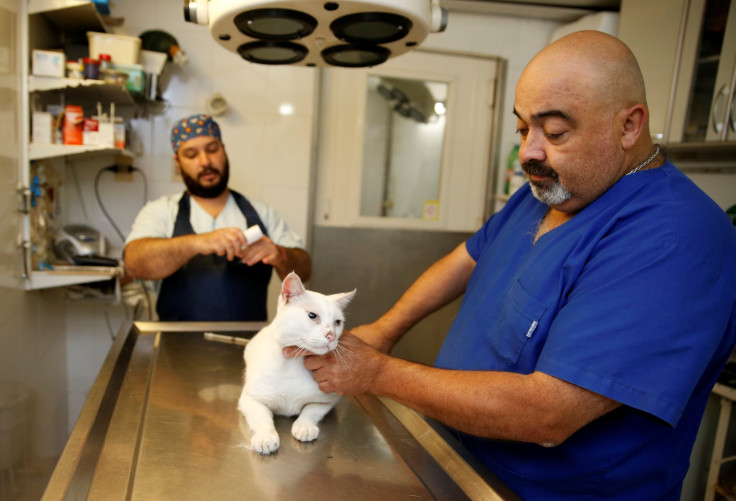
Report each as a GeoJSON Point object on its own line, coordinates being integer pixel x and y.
{"type": "Point", "coordinates": [161, 422]}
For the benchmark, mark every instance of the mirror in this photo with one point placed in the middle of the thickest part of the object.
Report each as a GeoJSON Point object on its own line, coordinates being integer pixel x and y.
{"type": "Point", "coordinates": [402, 148]}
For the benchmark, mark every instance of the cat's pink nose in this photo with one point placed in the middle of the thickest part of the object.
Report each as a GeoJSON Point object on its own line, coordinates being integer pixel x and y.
{"type": "Point", "coordinates": [330, 336]}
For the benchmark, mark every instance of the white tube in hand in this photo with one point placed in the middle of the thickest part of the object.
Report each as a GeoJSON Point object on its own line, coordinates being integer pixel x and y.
{"type": "Point", "coordinates": [253, 234]}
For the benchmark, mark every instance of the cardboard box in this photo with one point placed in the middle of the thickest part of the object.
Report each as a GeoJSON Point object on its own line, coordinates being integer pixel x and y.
{"type": "Point", "coordinates": [43, 128]}
{"type": "Point", "coordinates": [48, 63]}
{"type": "Point", "coordinates": [90, 135]}
{"type": "Point", "coordinates": [73, 129]}
{"type": "Point", "coordinates": [106, 134]}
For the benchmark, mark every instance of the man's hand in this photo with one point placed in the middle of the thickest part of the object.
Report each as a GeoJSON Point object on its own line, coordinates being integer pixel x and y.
{"type": "Point", "coordinates": [350, 369]}
{"type": "Point", "coordinates": [263, 250]}
{"type": "Point", "coordinates": [283, 259]}
{"type": "Point", "coordinates": [228, 242]}
{"type": "Point", "coordinates": [375, 336]}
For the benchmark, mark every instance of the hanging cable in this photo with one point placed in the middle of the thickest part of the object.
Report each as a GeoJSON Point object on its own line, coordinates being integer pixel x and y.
{"type": "Point", "coordinates": [115, 168]}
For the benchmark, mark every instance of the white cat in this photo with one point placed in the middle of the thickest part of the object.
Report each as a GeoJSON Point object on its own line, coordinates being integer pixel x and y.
{"type": "Point", "coordinates": [283, 386]}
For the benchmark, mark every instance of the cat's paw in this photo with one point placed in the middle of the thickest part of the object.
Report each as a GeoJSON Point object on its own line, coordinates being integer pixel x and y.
{"type": "Point", "coordinates": [265, 443]}
{"type": "Point", "coordinates": [304, 431]}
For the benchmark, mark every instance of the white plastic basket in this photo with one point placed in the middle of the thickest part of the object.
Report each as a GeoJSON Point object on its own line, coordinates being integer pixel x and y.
{"type": "Point", "coordinates": [122, 49]}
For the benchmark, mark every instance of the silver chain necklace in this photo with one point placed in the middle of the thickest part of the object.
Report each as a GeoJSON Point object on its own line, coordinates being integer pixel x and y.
{"type": "Point", "coordinates": [645, 162]}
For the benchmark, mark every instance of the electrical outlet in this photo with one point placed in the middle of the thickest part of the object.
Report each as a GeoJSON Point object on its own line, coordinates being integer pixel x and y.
{"type": "Point", "coordinates": [124, 176]}
{"type": "Point", "coordinates": [124, 170]}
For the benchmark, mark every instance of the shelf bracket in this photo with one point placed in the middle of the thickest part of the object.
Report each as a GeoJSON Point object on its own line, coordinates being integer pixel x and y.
{"type": "Point", "coordinates": [24, 199]}
{"type": "Point", "coordinates": [25, 257]}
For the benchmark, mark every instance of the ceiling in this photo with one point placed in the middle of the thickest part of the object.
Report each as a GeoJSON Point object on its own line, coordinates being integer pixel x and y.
{"type": "Point", "coordinates": [560, 10]}
{"type": "Point", "coordinates": [582, 4]}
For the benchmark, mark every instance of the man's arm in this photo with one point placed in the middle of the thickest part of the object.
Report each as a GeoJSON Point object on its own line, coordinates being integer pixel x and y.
{"type": "Point", "coordinates": [297, 260]}
{"type": "Point", "coordinates": [157, 258]}
{"type": "Point", "coordinates": [442, 283]}
{"type": "Point", "coordinates": [534, 408]}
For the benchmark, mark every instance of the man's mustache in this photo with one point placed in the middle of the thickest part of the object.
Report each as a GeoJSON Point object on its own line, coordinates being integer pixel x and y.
{"type": "Point", "coordinates": [207, 171]}
{"type": "Point", "coordinates": [535, 168]}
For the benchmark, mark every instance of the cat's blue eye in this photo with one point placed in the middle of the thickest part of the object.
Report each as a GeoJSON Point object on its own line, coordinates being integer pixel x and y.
{"type": "Point", "coordinates": [311, 315]}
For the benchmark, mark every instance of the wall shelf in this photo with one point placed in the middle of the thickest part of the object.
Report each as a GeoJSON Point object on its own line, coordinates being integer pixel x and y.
{"type": "Point", "coordinates": [42, 151]}
{"type": "Point", "coordinates": [69, 15]}
{"type": "Point", "coordinates": [82, 91]}
{"type": "Point", "coordinates": [71, 275]}
{"type": "Point", "coordinates": [703, 157]}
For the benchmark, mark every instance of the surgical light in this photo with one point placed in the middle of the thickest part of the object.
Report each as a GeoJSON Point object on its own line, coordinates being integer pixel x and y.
{"type": "Point", "coordinates": [267, 52]}
{"type": "Point", "coordinates": [275, 24]}
{"type": "Point", "coordinates": [347, 33]}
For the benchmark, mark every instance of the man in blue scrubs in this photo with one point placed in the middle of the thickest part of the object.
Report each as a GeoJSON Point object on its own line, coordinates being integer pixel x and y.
{"type": "Point", "coordinates": [599, 304]}
{"type": "Point", "coordinates": [194, 241]}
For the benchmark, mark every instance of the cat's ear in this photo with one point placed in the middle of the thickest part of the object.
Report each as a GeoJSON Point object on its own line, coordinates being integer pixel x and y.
{"type": "Point", "coordinates": [291, 287]}
{"type": "Point", "coordinates": [343, 299]}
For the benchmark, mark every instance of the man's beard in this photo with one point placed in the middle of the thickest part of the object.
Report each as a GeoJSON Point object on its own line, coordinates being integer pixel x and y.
{"type": "Point", "coordinates": [550, 193]}
{"type": "Point", "coordinates": [196, 189]}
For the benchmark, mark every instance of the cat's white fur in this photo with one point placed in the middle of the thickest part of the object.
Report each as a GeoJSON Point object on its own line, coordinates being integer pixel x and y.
{"type": "Point", "coordinates": [275, 385]}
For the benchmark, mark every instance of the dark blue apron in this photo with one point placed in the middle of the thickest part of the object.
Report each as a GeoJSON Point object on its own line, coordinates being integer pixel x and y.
{"type": "Point", "coordinates": [211, 288]}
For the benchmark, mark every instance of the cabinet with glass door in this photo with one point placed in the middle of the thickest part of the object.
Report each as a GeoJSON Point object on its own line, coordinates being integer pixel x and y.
{"type": "Point", "coordinates": [687, 52]}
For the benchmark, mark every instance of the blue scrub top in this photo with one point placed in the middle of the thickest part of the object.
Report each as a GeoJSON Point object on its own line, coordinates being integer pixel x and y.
{"type": "Point", "coordinates": [633, 298]}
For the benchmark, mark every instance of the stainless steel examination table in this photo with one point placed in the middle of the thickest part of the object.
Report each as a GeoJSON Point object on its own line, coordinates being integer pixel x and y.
{"type": "Point", "coordinates": [161, 423]}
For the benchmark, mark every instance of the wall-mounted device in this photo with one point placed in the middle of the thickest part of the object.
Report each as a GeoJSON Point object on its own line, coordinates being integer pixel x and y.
{"type": "Point", "coordinates": [81, 245]}
{"type": "Point", "coordinates": [345, 33]}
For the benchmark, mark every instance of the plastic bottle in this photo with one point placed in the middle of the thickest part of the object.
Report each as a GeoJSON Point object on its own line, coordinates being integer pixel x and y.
{"type": "Point", "coordinates": [105, 66]}
{"type": "Point", "coordinates": [75, 70]}
{"type": "Point", "coordinates": [105, 61]}
{"type": "Point", "coordinates": [511, 162]}
{"type": "Point", "coordinates": [518, 177]}
{"type": "Point", "coordinates": [517, 181]}
{"type": "Point", "coordinates": [91, 68]}
{"type": "Point", "coordinates": [253, 234]}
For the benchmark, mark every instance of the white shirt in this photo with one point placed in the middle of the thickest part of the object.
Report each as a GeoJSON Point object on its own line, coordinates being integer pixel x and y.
{"type": "Point", "coordinates": [157, 218]}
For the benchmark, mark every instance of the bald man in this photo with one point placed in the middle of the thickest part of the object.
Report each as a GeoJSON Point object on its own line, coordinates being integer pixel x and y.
{"type": "Point", "coordinates": [599, 304]}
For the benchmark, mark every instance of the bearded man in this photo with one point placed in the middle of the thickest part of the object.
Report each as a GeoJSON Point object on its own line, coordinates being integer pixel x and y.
{"type": "Point", "coordinates": [194, 243]}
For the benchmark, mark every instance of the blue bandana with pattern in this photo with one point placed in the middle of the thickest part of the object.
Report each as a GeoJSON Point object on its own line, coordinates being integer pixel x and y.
{"type": "Point", "coordinates": [191, 127]}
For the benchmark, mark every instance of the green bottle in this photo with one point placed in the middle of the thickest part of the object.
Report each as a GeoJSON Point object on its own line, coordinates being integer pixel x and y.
{"type": "Point", "coordinates": [160, 41]}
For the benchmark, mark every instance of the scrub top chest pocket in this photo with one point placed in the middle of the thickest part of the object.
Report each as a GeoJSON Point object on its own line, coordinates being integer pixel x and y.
{"type": "Point", "coordinates": [518, 324]}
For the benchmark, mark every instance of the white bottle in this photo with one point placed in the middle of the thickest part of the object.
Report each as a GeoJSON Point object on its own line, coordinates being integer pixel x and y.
{"type": "Point", "coordinates": [253, 234]}
{"type": "Point", "coordinates": [517, 181]}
